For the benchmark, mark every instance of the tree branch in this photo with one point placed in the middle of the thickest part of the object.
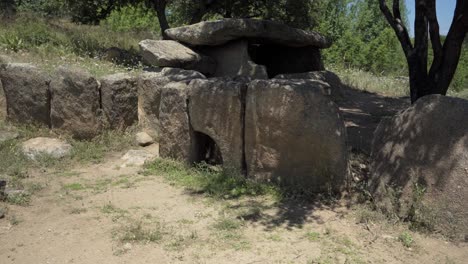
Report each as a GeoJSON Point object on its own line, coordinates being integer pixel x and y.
{"type": "Point", "coordinates": [452, 47]}
{"type": "Point", "coordinates": [397, 25]}
{"type": "Point", "coordinates": [435, 36]}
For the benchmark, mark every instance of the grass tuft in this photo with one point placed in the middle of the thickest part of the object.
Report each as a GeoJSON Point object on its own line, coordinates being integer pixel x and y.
{"type": "Point", "coordinates": [212, 181]}
{"type": "Point", "coordinates": [137, 232]}
{"type": "Point", "coordinates": [406, 239]}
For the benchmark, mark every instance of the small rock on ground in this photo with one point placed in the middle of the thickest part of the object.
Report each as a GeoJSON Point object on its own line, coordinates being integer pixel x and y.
{"type": "Point", "coordinates": [8, 135]}
{"type": "Point", "coordinates": [52, 147]}
{"type": "Point", "coordinates": [143, 139]}
{"type": "Point", "coordinates": [136, 158]}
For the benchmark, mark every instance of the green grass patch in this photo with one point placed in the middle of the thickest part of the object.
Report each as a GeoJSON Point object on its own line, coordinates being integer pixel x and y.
{"type": "Point", "coordinates": [212, 181]}
{"type": "Point", "coordinates": [74, 187]}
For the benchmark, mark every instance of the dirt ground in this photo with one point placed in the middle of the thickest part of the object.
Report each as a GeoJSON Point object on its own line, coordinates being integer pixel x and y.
{"type": "Point", "coordinates": [90, 224]}
{"type": "Point", "coordinates": [103, 213]}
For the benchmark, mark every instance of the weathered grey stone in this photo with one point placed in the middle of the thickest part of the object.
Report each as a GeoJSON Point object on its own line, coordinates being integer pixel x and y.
{"type": "Point", "coordinates": [75, 106]}
{"type": "Point", "coordinates": [294, 135]}
{"type": "Point", "coordinates": [136, 158]}
{"type": "Point", "coordinates": [175, 140]}
{"type": "Point", "coordinates": [119, 97]}
{"type": "Point", "coordinates": [3, 104]}
{"type": "Point", "coordinates": [143, 139]}
{"type": "Point", "coordinates": [169, 53]}
{"type": "Point", "coordinates": [282, 60]}
{"type": "Point", "coordinates": [219, 32]}
{"type": "Point", "coordinates": [6, 135]}
{"type": "Point", "coordinates": [36, 147]}
{"type": "Point", "coordinates": [216, 110]}
{"type": "Point", "coordinates": [329, 77]}
{"type": "Point", "coordinates": [149, 95]}
{"type": "Point", "coordinates": [232, 60]}
{"type": "Point", "coordinates": [27, 93]}
{"type": "Point", "coordinates": [419, 164]}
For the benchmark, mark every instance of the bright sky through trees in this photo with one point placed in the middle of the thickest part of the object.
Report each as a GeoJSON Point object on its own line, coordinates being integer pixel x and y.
{"type": "Point", "coordinates": [445, 9]}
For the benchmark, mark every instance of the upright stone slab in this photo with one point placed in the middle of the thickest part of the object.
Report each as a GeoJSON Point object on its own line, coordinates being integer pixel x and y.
{"type": "Point", "coordinates": [175, 140]}
{"type": "Point", "coordinates": [233, 59]}
{"type": "Point", "coordinates": [329, 77]}
{"type": "Point", "coordinates": [75, 105]}
{"type": "Point", "coordinates": [119, 100]}
{"type": "Point", "coordinates": [419, 165]}
{"type": "Point", "coordinates": [216, 109]}
{"type": "Point", "coordinates": [149, 95]}
{"type": "Point", "coordinates": [26, 91]}
{"type": "Point", "coordinates": [294, 135]}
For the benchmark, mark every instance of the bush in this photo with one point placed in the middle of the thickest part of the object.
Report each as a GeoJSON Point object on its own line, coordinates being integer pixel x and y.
{"type": "Point", "coordinates": [132, 18]}
{"type": "Point", "coordinates": [44, 7]}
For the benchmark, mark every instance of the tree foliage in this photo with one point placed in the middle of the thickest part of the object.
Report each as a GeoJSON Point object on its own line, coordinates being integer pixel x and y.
{"type": "Point", "coordinates": [362, 39]}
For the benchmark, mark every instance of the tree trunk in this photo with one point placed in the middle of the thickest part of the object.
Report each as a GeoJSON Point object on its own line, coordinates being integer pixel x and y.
{"type": "Point", "coordinates": [160, 7]}
{"type": "Point", "coordinates": [446, 56]}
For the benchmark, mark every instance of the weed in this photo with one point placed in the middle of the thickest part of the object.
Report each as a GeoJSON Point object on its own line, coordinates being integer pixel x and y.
{"type": "Point", "coordinates": [101, 185]}
{"type": "Point", "coordinates": [406, 239]}
{"type": "Point", "coordinates": [226, 224]}
{"type": "Point", "coordinates": [180, 242]}
{"type": "Point", "coordinates": [124, 182]}
{"type": "Point", "coordinates": [275, 238]}
{"type": "Point", "coordinates": [20, 198]}
{"type": "Point", "coordinates": [34, 187]}
{"type": "Point", "coordinates": [111, 209]}
{"type": "Point", "coordinates": [115, 212]}
{"type": "Point", "coordinates": [14, 220]}
{"type": "Point", "coordinates": [78, 210]}
{"type": "Point", "coordinates": [313, 236]}
{"type": "Point", "coordinates": [136, 232]}
{"type": "Point", "coordinates": [93, 151]}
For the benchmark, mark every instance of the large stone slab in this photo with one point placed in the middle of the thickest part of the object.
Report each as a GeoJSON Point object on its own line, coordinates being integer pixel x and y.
{"type": "Point", "coordinates": [175, 141]}
{"type": "Point", "coordinates": [119, 97]}
{"type": "Point", "coordinates": [75, 105]}
{"type": "Point", "coordinates": [218, 32]}
{"type": "Point", "coordinates": [295, 136]}
{"type": "Point", "coordinates": [26, 91]}
{"type": "Point", "coordinates": [233, 60]}
{"type": "Point", "coordinates": [149, 95]}
{"type": "Point", "coordinates": [169, 53]}
{"type": "Point", "coordinates": [419, 165]}
{"type": "Point", "coordinates": [216, 109]}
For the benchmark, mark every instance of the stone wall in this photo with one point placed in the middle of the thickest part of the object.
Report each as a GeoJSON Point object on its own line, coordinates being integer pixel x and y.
{"type": "Point", "coordinates": [287, 131]}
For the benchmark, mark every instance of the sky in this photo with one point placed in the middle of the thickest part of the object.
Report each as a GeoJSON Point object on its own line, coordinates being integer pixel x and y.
{"type": "Point", "coordinates": [445, 10]}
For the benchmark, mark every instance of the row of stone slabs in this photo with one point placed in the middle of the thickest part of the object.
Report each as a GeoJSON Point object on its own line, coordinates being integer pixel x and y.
{"type": "Point", "coordinates": [286, 131]}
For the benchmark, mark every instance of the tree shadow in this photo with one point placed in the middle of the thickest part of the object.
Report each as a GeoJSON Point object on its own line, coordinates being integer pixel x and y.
{"type": "Point", "coordinates": [363, 111]}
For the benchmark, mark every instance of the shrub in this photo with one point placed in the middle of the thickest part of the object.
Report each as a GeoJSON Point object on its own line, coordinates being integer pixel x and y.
{"type": "Point", "coordinates": [132, 18]}
{"type": "Point", "coordinates": [44, 7]}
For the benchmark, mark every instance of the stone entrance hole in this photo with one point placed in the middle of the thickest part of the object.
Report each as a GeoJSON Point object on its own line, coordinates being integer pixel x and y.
{"type": "Point", "coordinates": [206, 150]}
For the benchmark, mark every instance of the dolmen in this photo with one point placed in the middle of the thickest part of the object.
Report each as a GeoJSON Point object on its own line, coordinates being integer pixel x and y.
{"type": "Point", "coordinates": [250, 95]}
{"type": "Point", "coordinates": [238, 47]}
